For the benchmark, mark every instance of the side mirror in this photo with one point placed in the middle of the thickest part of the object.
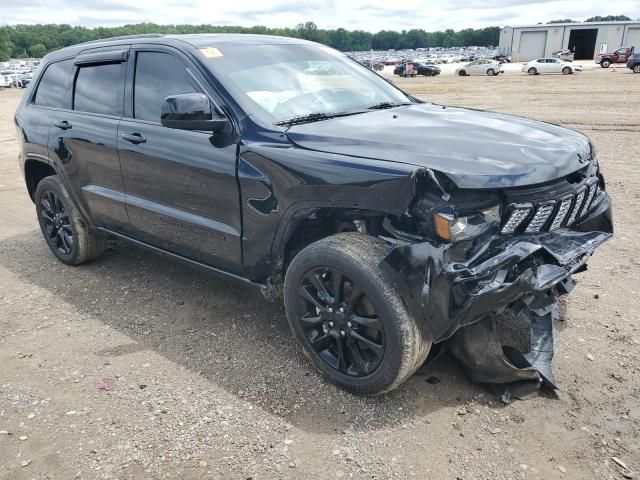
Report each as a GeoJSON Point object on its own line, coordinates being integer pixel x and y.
{"type": "Point", "coordinates": [190, 111]}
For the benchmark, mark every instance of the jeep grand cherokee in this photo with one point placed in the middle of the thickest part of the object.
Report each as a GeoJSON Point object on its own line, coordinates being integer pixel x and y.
{"type": "Point", "coordinates": [391, 226]}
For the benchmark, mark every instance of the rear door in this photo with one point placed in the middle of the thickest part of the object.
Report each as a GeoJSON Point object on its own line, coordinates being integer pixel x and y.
{"type": "Point", "coordinates": [182, 192]}
{"type": "Point", "coordinates": [82, 138]}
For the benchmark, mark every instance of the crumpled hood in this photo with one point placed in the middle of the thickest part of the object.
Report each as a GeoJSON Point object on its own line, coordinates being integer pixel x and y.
{"type": "Point", "coordinates": [475, 149]}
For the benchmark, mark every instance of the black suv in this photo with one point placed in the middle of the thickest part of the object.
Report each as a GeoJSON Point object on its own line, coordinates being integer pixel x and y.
{"type": "Point", "coordinates": [390, 225]}
{"type": "Point", "coordinates": [634, 62]}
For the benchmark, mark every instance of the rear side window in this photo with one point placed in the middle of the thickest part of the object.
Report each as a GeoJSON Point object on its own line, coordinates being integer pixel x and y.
{"type": "Point", "coordinates": [157, 76]}
{"type": "Point", "coordinates": [51, 89]}
{"type": "Point", "coordinates": [97, 89]}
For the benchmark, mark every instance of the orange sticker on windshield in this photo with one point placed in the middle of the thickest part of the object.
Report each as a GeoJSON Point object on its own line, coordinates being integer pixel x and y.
{"type": "Point", "coordinates": [211, 52]}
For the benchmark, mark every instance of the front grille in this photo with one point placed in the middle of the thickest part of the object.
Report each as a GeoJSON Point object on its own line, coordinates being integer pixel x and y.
{"type": "Point", "coordinates": [550, 214]}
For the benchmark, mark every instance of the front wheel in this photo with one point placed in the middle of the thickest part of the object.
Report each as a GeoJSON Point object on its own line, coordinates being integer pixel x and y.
{"type": "Point", "coordinates": [532, 71]}
{"type": "Point", "coordinates": [65, 232]}
{"type": "Point", "coordinates": [566, 71]}
{"type": "Point", "coordinates": [491, 72]}
{"type": "Point", "coordinates": [462, 73]}
{"type": "Point", "coordinates": [345, 311]}
{"type": "Point", "coordinates": [605, 63]}
{"type": "Point", "coordinates": [636, 68]}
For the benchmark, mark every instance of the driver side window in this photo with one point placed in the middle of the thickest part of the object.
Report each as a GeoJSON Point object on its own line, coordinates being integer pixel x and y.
{"type": "Point", "coordinates": [157, 76]}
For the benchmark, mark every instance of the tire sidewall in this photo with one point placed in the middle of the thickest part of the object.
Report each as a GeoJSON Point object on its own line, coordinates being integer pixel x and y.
{"type": "Point", "coordinates": [388, 312]}
{"type": "Point", "coordinates": [532, 71]}
{"type": "Point", "coordinates": [491, 72]}
{"type": "Point", "coordinates": [53, 184]}
{"type": "Point", "coordinates": [566, 70]}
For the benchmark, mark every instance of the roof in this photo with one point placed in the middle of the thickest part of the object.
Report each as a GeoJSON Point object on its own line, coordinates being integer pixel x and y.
{"type": "Point", "coordinates": [576, 24]}
{"type": "Point", "coordinates": [194, 40]}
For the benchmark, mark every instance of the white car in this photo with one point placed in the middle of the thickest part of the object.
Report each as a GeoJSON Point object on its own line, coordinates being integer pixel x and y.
{"type": "Point", "coordinates": [550, 65]}
{"type": "Point", "coordinates": [5, 81]}
{"type": "Point", "coordinates": [480, 67]}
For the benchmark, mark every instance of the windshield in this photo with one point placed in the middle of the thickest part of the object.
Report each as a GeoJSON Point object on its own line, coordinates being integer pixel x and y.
{"type": "Point", "coordinates": [283, 81]}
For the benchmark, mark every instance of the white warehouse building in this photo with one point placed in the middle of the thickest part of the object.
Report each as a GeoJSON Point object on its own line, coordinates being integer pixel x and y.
{"type": "Point", "coordinates": [585, 39]}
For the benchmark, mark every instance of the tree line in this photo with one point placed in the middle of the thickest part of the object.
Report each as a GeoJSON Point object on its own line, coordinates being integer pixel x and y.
{"type": "Point", "coordinates": [20, 41]}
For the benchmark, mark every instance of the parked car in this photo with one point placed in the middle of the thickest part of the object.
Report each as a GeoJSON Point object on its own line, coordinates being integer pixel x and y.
{"type": "Point", "coordinates": [5, 81]}
{"type": "Point", "coordinates": [634, 62]}
{"type": "Point", "coordinates": [621, 55]}
{"type": "Point", "coordinates": [427, 70]}
{"type": "Point", "coordinates": [480, 67]}
{"type": "Point", "coordinates": [550, 65]}
{"type": "Point", "coordinates": [502, 58]}
{"type": "Point", "coordinates": [406, 70]}
{"type": "Point", "coordinates": [232, 154]}
{"type": "Point", "coordinates": [565, 55]}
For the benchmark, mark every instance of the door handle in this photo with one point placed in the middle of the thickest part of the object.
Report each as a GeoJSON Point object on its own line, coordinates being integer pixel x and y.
{"type": "Point", "coordinates": [134, 138]}
{"type": "Point", "coordinates": [63, 125]}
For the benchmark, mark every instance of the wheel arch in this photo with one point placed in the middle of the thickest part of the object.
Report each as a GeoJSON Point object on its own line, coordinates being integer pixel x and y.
{"type": "Point", "coordinates": [35, 170]}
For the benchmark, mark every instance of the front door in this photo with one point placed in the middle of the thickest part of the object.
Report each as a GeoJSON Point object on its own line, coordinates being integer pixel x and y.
{"type": "Point", "coordinates": [181, 188]}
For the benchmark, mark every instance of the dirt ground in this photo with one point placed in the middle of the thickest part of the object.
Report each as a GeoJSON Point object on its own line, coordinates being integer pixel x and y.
{"type": "Point", "coordinates": [210, 384]}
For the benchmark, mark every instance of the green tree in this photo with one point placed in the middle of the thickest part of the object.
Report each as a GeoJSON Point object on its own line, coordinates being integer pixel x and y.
{"type": "Point", "coordinates": [38, 50]}
{"type": "Point", "coordinates": [608, 18]}
{"type": "Point", "coordinates": [5, 46]}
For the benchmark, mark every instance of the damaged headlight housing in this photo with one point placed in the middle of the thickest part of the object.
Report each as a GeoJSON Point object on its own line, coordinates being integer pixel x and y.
{"type": "Point", "coordinates": [453, 228]}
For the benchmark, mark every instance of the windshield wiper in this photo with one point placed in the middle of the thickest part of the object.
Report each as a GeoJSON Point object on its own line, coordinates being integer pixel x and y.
{"type": "Point", "coordinates": [313, 117]}
{"type": "Point", "coordinates": [385, 105]}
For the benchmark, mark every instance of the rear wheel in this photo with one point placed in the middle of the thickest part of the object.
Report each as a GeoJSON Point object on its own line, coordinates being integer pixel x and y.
{"type": "Point", "coordinates": [606, 63]}
{"type": "Point", "coordinates": [67, 235]}
{"type": "Point", "coordinates": [345, 311]}
{"type": "Point", "coordinates": [636, 68]}
{"type": "Point", "coordinates": [566, 71]}
{"type": "Point", "coordinates": [491, 72]}
{"type": "Point", "coordinates": [532, 71]}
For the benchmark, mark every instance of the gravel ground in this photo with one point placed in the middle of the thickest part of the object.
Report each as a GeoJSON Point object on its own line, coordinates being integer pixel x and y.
{"type": "Point", "coordinates": [133, 367]}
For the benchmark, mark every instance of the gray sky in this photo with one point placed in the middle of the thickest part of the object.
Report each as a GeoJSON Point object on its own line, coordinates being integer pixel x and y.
{"type": "Point", "coordinates": [371, 15]}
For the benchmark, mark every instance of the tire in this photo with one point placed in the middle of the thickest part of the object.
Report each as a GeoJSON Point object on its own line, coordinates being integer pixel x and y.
{"type": "Point", "coordinates": [462, 73]}
{"type": "Point", "coordinates": [636, 68]}
{"type": "Point", "coordinates": [64, 230]}
{"type": "Point", "coordinates": [606, 63]}
{"type": "Point", "coordinates": [382, 345]}
{"type": "Point", "coordinates": [567, 71]}
{"type": "Point", "coordinates": [532, 71]}
{"type": "Point", "coordinates": [491, 72]}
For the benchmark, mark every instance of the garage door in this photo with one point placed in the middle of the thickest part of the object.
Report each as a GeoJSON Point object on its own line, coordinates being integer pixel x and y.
{"type": "Point", "coordinates": [532, 45]}
{"type": "Point", "coordinates": [633, 38]}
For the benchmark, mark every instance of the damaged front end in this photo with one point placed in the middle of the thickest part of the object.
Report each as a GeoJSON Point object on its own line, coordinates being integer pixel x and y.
{"type": "Point", "coordinates": [462, 291]}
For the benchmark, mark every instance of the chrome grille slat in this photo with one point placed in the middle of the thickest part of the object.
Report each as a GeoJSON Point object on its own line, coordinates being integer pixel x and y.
{"type": "Point", "coordinates": [542, 215]}
{"type": "Point", "coordinates": [576, 206]}
{"type": "Point", "coordinates": [563, 211]}
{"type": "Point", "coordinates": [593, 186]}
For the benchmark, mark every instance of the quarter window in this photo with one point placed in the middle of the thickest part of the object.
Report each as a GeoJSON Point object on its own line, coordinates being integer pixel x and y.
{"type": "Point", "coordinates": [97, 89]}
{"type": "Point", "coordinates": [158, 75]}
{"type": "Point", "coordinates": [52, 87]}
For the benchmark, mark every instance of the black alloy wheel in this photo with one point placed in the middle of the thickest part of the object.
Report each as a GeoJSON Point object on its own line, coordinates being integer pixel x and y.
{"type": "Point", "coordinates": [56, 224]}
{"type": "Point", "coordinates": [344, 308]}
{"type": "Point", "coordinates": [340, 322]}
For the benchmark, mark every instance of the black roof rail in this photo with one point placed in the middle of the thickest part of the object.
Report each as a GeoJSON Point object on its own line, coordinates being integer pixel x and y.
{"type": "Point", "coordinates": [124, 37]}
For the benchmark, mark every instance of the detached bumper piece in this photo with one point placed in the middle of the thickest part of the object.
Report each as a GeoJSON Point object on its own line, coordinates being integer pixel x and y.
{"type": "Point", "coordinates": [495, 303]}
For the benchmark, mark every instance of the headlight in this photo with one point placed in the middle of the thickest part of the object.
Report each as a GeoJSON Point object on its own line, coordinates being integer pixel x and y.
{"type": "Point", "coordinates": [454, 228]}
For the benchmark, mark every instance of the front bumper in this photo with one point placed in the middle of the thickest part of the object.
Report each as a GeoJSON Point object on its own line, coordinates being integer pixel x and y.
{"type": "Point", "coordinates": [445, 293]}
